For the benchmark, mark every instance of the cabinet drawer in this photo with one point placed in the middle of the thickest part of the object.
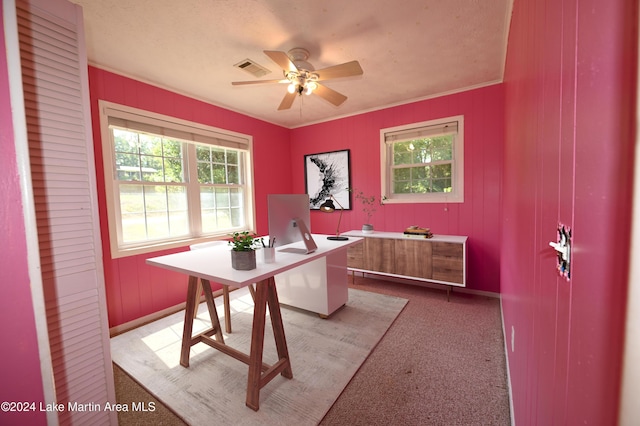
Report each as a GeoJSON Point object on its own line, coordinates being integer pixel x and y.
{"type": "Point", "coordinates": [447, 250]}
{"type": "Point", "coordinates": [447, 269]}
{"type": "Point", "coordinates": [448, 262]}
{"type": "Point", "coordinates": [441, 260]}
{"type": "Point", "coordinates": [355, 256]}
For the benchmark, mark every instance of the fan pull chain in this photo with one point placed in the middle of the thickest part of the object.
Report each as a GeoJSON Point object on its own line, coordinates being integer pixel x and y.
{"type": "Point", "coordinates": [300, 103]}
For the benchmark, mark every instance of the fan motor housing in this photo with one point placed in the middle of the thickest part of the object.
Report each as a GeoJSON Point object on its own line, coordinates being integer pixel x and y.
{"type": "Point", "coordinates": [299, 58]}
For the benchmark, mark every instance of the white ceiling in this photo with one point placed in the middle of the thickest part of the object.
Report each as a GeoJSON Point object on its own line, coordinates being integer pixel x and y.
{"type": "Point", "coordinates": [409, 49]}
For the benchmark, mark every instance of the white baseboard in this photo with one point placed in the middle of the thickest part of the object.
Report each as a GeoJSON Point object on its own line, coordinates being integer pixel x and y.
{"type": "Point", "coordinates": [122, 328]}
{"type": "Point", "coordinates": [506, 357]}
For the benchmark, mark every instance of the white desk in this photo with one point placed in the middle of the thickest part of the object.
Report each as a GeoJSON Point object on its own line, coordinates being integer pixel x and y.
{"type": "Point", "coordinates": [214, 264]}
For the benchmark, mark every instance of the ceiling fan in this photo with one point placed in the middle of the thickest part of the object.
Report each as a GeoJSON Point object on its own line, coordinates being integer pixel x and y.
{"type": "Point", "coordinates": [302, 77]}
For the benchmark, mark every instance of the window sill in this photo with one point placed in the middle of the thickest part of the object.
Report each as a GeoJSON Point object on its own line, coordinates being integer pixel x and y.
{"type": "Point", "coordinates": [117, 253]}
{"type": "Point", "coordinates": [449, 198]}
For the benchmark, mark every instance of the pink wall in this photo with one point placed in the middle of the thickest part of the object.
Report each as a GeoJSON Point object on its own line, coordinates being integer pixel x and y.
{"type": "Point", "coordinates": [569, 102]}
{"type": "Point", "coordinates": [133, 288]}
{"type": "Point", "coordinates": [478, 217]}
{"type": "Point", "coordinates": [20, 368]}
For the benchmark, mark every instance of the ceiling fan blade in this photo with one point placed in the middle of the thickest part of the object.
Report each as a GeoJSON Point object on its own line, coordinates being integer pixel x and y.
{"type": "Point", "coordinates": [330, 95]}
{"type": "Point", "coordinates": [287, 101]}
{"type": "Point", "coordinates": [240, 83]}
{"type": "Point", "coordinates": [282, 59]}
{"type": "Point", "coordinates": [348, 69]}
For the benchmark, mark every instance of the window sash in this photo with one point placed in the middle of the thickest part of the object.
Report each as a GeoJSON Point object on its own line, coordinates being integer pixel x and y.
{"type": "Point", "coordinates": [174, 130]}
{"type": "Point", "coordinates": [421, 132]}
{"type": "Point", "coordinates": [417, 131]}
{"type": "Point", "coordinates": [150, 213]}
{"type": "Point", "coordinates": [189, 135]}
{"type": "Point", "coordinates": [429, 166]}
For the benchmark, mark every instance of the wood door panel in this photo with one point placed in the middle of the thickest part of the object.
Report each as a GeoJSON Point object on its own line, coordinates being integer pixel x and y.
{"type": "Point", "coordinates": [413, 258]}
{"type": "Point", "coordinates": [379, 255]}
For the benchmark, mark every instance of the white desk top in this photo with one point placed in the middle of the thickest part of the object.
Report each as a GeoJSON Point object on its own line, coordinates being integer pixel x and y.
{"type": "Point", "coordinates": [214, 263]}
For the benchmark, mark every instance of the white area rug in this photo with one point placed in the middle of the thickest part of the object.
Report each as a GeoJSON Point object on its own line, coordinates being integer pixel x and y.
{"type": "Point", "coordinates": [325, 354]}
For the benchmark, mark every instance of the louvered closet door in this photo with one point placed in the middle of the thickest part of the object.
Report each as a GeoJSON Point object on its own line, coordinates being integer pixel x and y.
{"type": "Point", "coordinates": [56, 96]}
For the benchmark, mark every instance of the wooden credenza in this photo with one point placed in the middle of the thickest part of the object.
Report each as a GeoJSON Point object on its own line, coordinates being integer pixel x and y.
{"type": "Point", "coordinates": [441, 259]}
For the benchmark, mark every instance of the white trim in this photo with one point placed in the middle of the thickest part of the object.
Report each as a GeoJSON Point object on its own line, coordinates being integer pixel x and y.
{"type": "Point", "coordinates": [457, 196]}
{"type": "Point", "coordinates": [21, 141]}
{"type": "Point", "coordinates": [630, 388]}
{"type": "Point", "coordinates": [105, 108]}
{"type": "Point", "coordinates": [506, 358]}
{"type": "Point", "coordinates": [198, 97]}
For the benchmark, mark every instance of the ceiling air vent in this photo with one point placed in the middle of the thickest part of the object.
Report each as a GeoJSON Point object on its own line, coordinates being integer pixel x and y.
{"type": "Point", "coordinates": [252, 68]}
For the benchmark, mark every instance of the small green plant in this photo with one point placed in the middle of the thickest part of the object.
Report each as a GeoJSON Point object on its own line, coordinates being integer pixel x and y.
{"type": "Point", "coordinates": [243, 241]}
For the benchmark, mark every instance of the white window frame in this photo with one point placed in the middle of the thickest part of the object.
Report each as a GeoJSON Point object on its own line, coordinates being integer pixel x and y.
{"type": "Point", "coordinates": [199, 133]}
{"type": "Point", "coordinates": [386, 161]}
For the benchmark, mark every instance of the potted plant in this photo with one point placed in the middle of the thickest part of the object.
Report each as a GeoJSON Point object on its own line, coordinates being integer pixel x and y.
{"type": "Point", "coordinates": [243, 255]}
{"type": "Point", "coordinates": [370, 204]}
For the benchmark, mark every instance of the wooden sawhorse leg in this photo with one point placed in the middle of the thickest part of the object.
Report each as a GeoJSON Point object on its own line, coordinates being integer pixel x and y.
{"type": "Point", "coordinates": [259, 373]}
{"type": "Point", "coordinates": [226, 302]}
{"type": "Point", "coordinates": [266, 295]}
{"type": "Point", "coordinates": [188, 340]}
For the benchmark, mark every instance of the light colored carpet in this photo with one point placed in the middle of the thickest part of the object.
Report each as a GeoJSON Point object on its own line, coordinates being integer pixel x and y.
{"type": "Point", "coordinates": [325, 354]}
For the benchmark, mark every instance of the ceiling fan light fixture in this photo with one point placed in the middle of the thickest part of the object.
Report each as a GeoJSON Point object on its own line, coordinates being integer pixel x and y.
{"type": "Point", "coordinates": [310, 87]}
{"type": "Point", "coordinates": [301, 77]}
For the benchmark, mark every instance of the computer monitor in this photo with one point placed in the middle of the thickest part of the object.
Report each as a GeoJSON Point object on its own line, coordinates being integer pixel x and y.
{"type": "Point", "coordinates": [289, 220]}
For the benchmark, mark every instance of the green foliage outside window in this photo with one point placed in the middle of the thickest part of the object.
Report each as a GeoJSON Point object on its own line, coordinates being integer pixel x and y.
{"type": "Point", "coordinates": [147, 158]}
{"type": "Point", "coordinates": [423, 165]}
{"type": "Point", "coordinates": [217, 165]}
{"type": "Point", "coordinates": [159, 211]}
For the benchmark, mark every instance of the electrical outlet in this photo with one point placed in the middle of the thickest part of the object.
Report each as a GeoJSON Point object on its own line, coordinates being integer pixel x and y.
{"type": "Point", "coordinates": [513, 339]}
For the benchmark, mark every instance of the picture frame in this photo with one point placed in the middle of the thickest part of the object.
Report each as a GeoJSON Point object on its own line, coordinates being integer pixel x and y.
{"type": "Point", "coordinates": [326, 174]}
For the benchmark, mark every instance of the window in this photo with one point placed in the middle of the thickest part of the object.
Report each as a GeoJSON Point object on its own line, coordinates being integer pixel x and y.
{"type": "Point", "coordinates": [423, 162]}
{"type": "Point", "coordinates": [170, 181]}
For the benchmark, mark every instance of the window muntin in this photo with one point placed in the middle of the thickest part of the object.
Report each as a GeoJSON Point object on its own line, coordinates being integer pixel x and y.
{"type": "Point", "coordinates": [221, 190]}
{"type": "Point", "coordinates": [151, 185]}
{"type": "Point", "coordinates": [423, 162]}
{"type": "Point", "coordinates": [423, 165]}
{"type": "Point", "coordinates": [172, 185]}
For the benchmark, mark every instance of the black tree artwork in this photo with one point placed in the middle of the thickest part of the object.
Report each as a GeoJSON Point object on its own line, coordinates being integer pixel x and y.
{"type": "Point", "coordinates": [327, 174]}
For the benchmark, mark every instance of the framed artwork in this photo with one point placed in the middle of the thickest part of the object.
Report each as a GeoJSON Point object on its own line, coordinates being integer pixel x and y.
{"type": "Point", "coordinates": [326, 174]}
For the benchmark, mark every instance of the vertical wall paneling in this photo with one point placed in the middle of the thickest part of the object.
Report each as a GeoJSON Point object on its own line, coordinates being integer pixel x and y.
{"type": "Point", "coordinates": [56, 97]}
{"type": "Point", "coordinates": [135, 289]}
{"type": "Point", "coordinates": [568, 156]}
{"type": "Point", "coordinates": [478, 217]}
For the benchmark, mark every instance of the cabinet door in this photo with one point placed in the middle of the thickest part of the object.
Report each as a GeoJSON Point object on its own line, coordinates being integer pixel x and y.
{"type": "Point", "coordinates": [413, 258]}
{"type": "Point", "coordinates": [448, 262]}
{"type": "Point", "coordinates": [355, 256]}
{"type": "Point", "coordinates": [379, 255]}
